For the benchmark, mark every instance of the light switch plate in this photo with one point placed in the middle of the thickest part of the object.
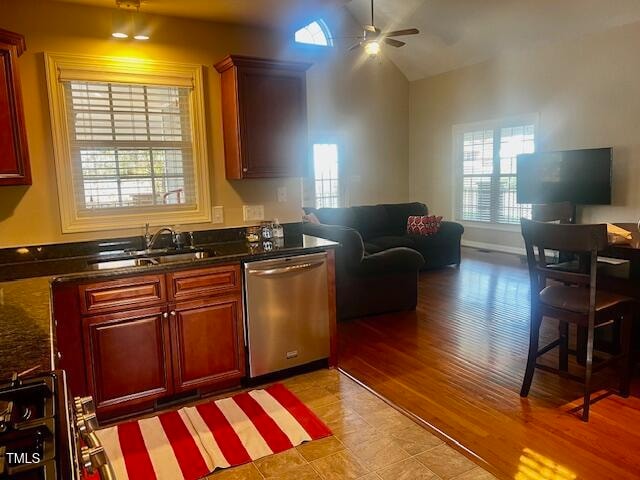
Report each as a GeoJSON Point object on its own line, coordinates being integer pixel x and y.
{"type": "Point", "coordinates": [282, 194]}
{"type": "Point", "coordinates": [218, 215]}
{"type": "Point", "coordinates": [253, 213]}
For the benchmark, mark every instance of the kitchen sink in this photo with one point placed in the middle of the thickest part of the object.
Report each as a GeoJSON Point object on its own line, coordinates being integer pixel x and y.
{"type": "Point", "coordinates": [181, 257]}
{"type": "Point", "coordinates": [119, 263]}
{"type": "Point", "coordinates": [147, 258]}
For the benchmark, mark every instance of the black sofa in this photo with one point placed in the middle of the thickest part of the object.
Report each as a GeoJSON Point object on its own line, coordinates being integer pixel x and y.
{"type": "Point", "coordinates": [384, 226]}
{"type": "Point", "coordinates": [370, 284]}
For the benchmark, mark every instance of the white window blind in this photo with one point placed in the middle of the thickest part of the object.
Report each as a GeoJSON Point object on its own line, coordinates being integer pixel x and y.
{"type": "Point", "coordinates": [488, 184]}
{"type": "Point", "coordinates": [131, 146]}
{"type": "Point", "coordinates": [326, 175]}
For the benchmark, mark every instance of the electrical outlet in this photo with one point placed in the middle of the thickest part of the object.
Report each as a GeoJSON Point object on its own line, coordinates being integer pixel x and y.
{"type": "Point", "coordinates": [282, 194]}
{"type": "Point", "coordinates": [253, 213]}
{"type": "Point", "coordinates": [218, 215]}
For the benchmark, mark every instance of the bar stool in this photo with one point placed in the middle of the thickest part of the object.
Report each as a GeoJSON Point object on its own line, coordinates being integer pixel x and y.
{"type": "Point", "coordinates": [575, 300]}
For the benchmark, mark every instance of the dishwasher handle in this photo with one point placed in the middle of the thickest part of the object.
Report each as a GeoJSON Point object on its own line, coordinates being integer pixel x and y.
{"type": "Point", "coordinates": [291, 268]}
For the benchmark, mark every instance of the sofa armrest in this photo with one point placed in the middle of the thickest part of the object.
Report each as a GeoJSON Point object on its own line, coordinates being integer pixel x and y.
{"type": "Point", "coordinates": [393, 260]}
{"type": "Point", "coordinates": [451, 229]}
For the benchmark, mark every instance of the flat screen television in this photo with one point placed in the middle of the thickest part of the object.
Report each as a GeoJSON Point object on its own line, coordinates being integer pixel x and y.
{"type": "Point", "coordinates": [582, 177]}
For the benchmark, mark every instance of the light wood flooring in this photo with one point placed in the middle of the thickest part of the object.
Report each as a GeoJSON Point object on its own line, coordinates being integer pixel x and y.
{"type": "Point", "coordinates": [457, 363]}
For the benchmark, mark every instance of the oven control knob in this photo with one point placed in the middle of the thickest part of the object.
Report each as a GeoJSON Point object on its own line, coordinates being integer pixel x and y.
{"type": "Point", "coordinates": [84, 405]}
{"type": "Point", "coordinates": [87, 423]}
{"type": "Point", "coordinates": [94, 457]}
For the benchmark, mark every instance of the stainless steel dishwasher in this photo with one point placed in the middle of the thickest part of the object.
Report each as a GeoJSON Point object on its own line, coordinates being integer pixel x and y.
{"type": "Point", "coordinates": [287, 312]}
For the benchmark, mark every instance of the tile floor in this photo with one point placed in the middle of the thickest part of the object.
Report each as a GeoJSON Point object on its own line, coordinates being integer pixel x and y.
{"type": "Point", "coordinates": [371, 441]}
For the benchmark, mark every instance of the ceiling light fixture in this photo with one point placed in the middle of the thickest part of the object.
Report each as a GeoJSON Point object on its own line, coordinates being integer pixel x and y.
{"type": "Point", "coordinates": [120, 23]}
{"type": "Point", "coordinates": [372, 48]}
{"type": "Point", "coordinates": [127, 20]}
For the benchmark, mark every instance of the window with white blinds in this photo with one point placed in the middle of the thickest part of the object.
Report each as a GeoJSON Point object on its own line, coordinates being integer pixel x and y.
{"type": "Point", "coordinates": [487, 186]}
{"type": "Point", "coordinates": [130, 145]}
{"type": "Point", "coordinates": [129, 141]}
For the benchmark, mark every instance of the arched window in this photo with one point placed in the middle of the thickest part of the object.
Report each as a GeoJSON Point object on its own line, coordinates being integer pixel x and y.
{"type": "Point", "coordinates": [316, 33]}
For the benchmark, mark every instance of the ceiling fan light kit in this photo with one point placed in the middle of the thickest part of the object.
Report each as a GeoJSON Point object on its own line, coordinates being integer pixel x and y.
{"type": "Point", "coordinates": [373, 37]}
{"type": "Point", "coordinates": [372, 48]}
{"type": "Point", "coordinates": [128, 21]}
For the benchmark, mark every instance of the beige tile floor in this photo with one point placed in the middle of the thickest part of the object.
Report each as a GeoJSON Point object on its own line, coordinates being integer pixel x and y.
{"type": "Point", "coordinates": [371, 441]}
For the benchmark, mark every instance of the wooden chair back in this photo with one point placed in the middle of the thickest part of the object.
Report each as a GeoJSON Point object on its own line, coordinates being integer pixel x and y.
{"type": "Point", "coordinates": [582, 239]}
{"type": "Point", "coordinates": [563, 212]}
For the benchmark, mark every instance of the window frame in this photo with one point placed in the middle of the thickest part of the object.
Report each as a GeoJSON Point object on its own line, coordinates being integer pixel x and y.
{"type": "Point", "coordinates": [325, 30]}
{"type": "Point", "coordinates": [67, 67]}
{"type": "Point", "coordinates": [496, 125]}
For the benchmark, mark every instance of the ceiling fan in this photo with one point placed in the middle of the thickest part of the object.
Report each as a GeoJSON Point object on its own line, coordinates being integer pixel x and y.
{"type": "Point", "coordinates": [373, 37]}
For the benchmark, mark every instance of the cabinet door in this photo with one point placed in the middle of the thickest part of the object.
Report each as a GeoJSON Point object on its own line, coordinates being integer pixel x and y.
{"type": "Point", "coordinates": [207, 343]}
{"type": "Point", "coordinates": [273, 122]}
{"type": "Point", "coordinates": [14, 156]}
{"type": "Point", "coordinates": [127, 358]}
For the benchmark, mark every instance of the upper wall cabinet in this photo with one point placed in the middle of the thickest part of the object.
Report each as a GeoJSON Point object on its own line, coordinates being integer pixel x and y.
{"type": "Point", "coordinates": [264, 114]}
{"type": "Point", "coordinates": [14, 155]}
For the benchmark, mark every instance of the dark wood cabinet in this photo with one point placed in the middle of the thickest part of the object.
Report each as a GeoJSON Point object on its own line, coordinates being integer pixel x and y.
{"type": "Point", "coordinates": [207, 343]}
{"type": "Point", "coordinates": [132, 341]}
{"type": "Point", "coordinates": [127, 358]}
{"type": "Point", "coordinates": [264, 110]}
{"type": "Point", "coordinates": [14, 154]}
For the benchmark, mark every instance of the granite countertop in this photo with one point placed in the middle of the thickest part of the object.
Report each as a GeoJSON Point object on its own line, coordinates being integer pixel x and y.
{"type": "Point", "coordinates": [26, 275]}
{"type": "Point", "coordinates": [107, 266]}
{"type": "Point", "coordinates": [106, 259]}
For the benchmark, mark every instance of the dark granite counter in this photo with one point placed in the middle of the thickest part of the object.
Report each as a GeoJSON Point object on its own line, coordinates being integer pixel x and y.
{"type": "Point", "coordinates": [118, 257]}
{"type": "Point", "coordinates": [26, 275]}
{"type": "Point", "coordinates": [117, 265]}
{"type": "Point", "coordinates": [25, 326]}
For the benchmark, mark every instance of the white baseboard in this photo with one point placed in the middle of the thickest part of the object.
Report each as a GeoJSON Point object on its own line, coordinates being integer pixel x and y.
{"type": "Point", "coordinates": [494, 247]}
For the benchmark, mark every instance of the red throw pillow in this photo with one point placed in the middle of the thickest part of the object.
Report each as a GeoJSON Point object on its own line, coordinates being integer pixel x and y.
{"type": "Point", "coordinates": [423, 225]}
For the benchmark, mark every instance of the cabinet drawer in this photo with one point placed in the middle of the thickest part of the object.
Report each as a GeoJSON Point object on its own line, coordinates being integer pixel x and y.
{"type": "Point", "coordinates": [122, 294]}
{"type": "Point", "coordinates": [203, 282]}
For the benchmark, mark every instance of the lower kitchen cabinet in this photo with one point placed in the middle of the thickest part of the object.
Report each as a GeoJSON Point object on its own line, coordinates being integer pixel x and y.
{"type": "Point", "coordinates": [207, 343]}
{"type": "Point", "coordinates": [130, 342]}
{"type": "Point", "coordinates": [127, 358]}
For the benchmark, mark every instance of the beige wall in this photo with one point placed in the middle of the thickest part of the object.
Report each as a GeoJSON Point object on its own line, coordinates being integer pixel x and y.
{"type": "Point", "coordinates": [366, 105]}
{"type": "Point", "coordinates": [585, 91]}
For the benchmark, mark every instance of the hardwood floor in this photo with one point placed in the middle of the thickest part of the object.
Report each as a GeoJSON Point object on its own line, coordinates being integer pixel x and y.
{"type": "Point", "coordinates": [458, 361]}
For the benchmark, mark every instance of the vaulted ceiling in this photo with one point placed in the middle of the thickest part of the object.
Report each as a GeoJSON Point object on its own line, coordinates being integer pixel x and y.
{"type": "Point", "coordinates": [456, 33]}
{"type": "Point", "coordinates": [266, 13]}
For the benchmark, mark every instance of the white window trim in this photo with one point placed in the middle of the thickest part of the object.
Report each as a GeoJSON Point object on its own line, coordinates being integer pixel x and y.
{"type": "Point", "coordinates": [456, 170]}
{"type": "Point", "coordinates": [125, 70]}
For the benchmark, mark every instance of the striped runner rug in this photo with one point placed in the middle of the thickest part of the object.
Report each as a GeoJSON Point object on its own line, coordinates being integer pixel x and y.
{"type": "Point", "coordinates": [189, 443]}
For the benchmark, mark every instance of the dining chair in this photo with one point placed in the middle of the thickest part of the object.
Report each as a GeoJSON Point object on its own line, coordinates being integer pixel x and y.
{"type": "Point", "coordinates": [562, 212]}
{"type": "Point", "coordinates": [573, 298]}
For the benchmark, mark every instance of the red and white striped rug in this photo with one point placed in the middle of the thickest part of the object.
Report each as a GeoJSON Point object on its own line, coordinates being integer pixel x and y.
{"type": "Point", "coordinates": [190, 443]}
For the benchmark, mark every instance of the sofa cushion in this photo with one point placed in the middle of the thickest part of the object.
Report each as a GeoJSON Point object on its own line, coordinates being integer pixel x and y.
{"type": "Point", "coordinates": [448, 234]}
{"type": "Point", "coordinates": [371, 221]}
{"type": "Point", "coordinates": [391, 241]}
{"type": "Point", "coordinates": [371, 248]}
{"type": "Point", "coordinates": [398, 214]}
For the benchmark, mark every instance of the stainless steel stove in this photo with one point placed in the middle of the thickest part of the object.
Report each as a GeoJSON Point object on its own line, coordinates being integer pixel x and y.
{"type": "Point", "coordinates": [44, 436]}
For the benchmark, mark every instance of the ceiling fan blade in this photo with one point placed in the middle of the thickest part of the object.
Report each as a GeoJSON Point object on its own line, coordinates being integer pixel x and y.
{"type": "Point", "coordinates": [354, 47]}
{"type": "Point", "coordinates": [394, 43]}
{"type": "Point", "coordinates": [400, 33]}
{"type": "Point", "coordinates": [371, 28]}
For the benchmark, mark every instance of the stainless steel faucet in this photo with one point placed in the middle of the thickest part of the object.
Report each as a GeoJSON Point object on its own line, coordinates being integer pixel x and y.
{"type": "Point", "coordinates": [150, 240]}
